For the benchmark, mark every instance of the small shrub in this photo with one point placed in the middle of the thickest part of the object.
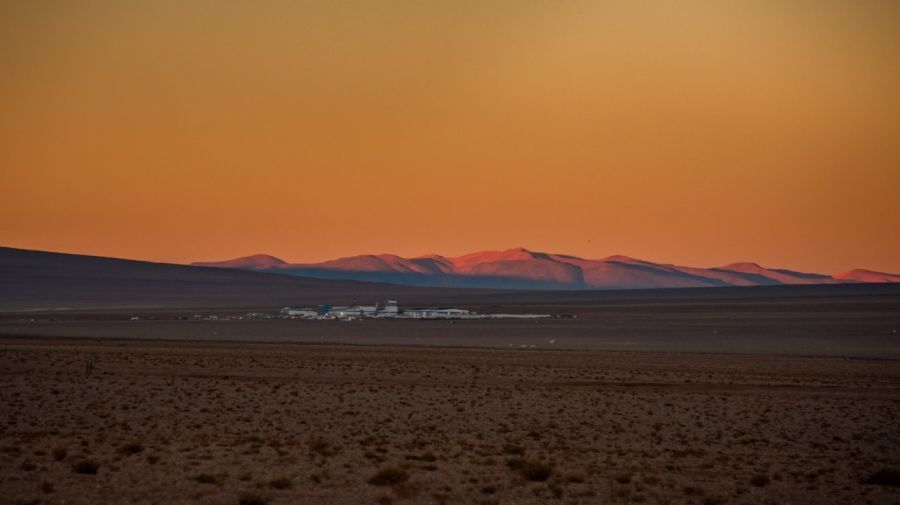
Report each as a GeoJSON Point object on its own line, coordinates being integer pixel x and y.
{"type": "Point", "coordinates": [389, 477]}
{"type": "Point", "coordinates": [534, 471]}
{"type": "Point", "coordinates": [693, 491]}
{"type": "Point", "coordinates": [252, 499]}
{"type": "Point", "coordinates": [132, 448]}
{"type": "Point", "coordinates": [513, 449]}
{"type": "Point", "coordinates": [406, 490]}
{"type": "Point", "coordinates": [322, 447]}
{"type": "Point", "coordinates": [205, 478]}
{"type": "Point", "coordinates": [759, 480]}
{"type": "Point", "coordinates": [557, 491]}
{"type": "Point", "coordinates": [575, 478]}
{"type": "Point", "coordinates": [282, 483]}
{"type": "Point", "coordinates": [885, 477]}
{"type": "Point", "coordinates": [59, 453]}
{"type": "Point", "coordinates": [537, 472]}
{"type": "Point", "coordinates": [86, 467]}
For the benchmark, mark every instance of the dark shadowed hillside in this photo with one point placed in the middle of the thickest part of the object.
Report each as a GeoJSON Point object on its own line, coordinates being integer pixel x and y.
{"type": "Point", "coordinates": [35, 280]}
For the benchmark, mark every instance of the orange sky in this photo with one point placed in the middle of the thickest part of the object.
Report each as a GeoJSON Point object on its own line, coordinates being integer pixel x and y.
{"type": "Point", "coordinates": [695, 132]}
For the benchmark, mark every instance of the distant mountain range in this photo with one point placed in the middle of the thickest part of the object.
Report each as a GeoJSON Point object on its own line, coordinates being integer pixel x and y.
{"type": "Point", "coordinates": [524, 269]}
{"type": "Point", "coordinates": [38, 281]}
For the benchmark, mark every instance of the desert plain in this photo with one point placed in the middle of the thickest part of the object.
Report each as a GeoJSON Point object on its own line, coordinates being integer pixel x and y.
{"type": "Point", "coordinates": [785, 394]}
{"type": "Point", "coordinates": [255, 423]}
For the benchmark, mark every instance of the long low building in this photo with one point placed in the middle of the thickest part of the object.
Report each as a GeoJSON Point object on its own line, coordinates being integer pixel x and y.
{"type": "Point", "coordinates": [439, 313]}
{"type": "Point", "coordinates": [299, 312]}
{"type": "Point", "coordinates": [392, 310]}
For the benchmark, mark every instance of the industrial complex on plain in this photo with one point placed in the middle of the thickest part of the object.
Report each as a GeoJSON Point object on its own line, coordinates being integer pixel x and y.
{"type": "Point", "coordinates": [391, 310]}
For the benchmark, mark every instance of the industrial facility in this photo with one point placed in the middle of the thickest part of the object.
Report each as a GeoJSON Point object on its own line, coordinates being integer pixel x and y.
{"type": "Point", "coordinates": [391, 310]}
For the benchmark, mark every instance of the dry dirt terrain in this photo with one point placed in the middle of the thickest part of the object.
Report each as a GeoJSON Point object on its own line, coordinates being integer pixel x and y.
{"type": "Point", "coordinates": [240, 423]}
{"type": "Point", "coordinates": [845, 325]}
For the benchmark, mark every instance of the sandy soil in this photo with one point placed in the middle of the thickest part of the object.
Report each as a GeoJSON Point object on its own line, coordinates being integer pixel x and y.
{"type": "Point", "coordinates": [170, 422]}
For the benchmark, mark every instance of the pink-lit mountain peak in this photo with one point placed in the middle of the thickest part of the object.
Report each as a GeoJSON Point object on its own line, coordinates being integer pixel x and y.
{"type": "Point", "coordinates": [864, 275]}
{"type": "Point", "coordinates": [514, 254]}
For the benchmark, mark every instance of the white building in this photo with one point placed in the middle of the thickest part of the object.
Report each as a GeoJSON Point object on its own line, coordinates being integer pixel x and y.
{"type": "Point", "coordinates": [299, 312]}
{"type": "Point", "coordinates": [436, 313]}
{"type": "Point", "coordinates": [355, 311]}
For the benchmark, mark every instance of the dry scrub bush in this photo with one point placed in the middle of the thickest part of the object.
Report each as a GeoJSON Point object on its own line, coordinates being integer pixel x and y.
{"type": "Point", "coordinates": [388, 477]}
{"type": "Point", "coordinates": [282, 483]}
{"type": "Point", "coordinates": [759, 480]}
{"type": "Point", "coordinates": [885, 477]}
{"type": "Point", "coordinates": [535, 471]}
{"type": "Point", "coordinates": [86, 467]}
{"type": "Point", "coordinates": [204, 478]}
{"type": "Point", "coordinates": [132, 448]}
{"type": "Point", "coordinates": [252, 499]}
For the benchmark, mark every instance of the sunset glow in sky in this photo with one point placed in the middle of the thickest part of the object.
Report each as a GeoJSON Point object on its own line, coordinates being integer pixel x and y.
{"type": "Point", "coordinates": [694, 132]}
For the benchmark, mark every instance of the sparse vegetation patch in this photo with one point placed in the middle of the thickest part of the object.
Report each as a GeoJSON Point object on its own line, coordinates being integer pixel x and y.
{"type": "Point", "coordinates": [535, 471]}
{"type": "Point", "coordinates": [389, 477]}
{"type": "Point", "coordinates": [759, 480]}
{"type": "Point", "coordinates": [132, 448]}
{"type": "Point", "coordinates": [205, 478]}
{"type": "Point", "coordinates": [885, 477]}
{"type": "Point", "coordinates": [252, 499]}
{"type": "Point", "coordinates": [282, 483]}
{"type": "Point", "coordinates": [86, 467]}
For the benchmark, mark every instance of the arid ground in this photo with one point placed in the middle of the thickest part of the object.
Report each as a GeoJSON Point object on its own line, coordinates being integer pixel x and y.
{"type": "Point", "coordinates": [179, 422]}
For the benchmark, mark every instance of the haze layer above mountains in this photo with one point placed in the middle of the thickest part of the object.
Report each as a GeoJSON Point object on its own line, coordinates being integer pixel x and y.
{"type": "Point", "coordinates": [522, 268]}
